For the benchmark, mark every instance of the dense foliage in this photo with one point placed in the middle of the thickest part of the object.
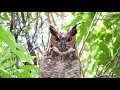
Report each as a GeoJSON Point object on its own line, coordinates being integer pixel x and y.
{"type": "Point", "coordinates": [24, 37]}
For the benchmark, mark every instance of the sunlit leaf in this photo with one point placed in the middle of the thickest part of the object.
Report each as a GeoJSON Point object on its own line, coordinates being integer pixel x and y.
{"type": "Point", "coordinates": [7, 37]}
{"type": "Point", "coordinates": [23, 56]}
{"type": "Point", "coordinates": [8, 63]}
{"type": "Point", "coordinates": [22, 74]}
{"type": "Point", "coordinates": [30, 68]}
{"type": "Point", "coordinates": [26, 29]}
{"type": "Point", "coordinates": [6, 75]}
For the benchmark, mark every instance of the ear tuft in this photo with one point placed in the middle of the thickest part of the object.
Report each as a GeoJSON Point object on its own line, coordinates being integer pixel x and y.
{"type": "Point", "coordinates": [52, 30]}
{"type": "Point", "coordinates": [73, 30]}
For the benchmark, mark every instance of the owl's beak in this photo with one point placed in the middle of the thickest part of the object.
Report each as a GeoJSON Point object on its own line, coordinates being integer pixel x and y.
{"type": "Point", "coordinates": [63, 45]}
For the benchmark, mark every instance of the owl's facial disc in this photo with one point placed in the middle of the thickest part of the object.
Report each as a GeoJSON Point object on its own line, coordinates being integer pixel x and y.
{"type": "Point", "coordinates": [63, 41]}
{"type": "Point", "coordinates": [62, 45]}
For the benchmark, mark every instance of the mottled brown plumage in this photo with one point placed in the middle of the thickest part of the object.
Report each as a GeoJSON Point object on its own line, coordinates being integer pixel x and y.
{"type": "Point", "coordinates": [61, 58]}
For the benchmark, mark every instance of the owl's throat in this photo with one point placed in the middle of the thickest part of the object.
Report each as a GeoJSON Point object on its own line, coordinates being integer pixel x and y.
{"type": "Point", "coordinates": [63, 51]}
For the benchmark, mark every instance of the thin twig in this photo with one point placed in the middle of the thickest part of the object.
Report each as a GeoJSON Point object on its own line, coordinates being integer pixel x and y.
{"type": "Point", "coordinates": [105, 75]}
{"type": "Point", "coordinates": [23, 19]}
{"type": "Point", "coordinates": [42, 32]}
{"type": "Point", "coordinates": [36, 25]}
{"type": "Point", "coordinates": [97, 69]}
{"type": "Point", "coordinates": [86, 68]}
{"type": "Point", "coordinates": [107, 66]}
{"type": "Point", "coordinates": [27, 16]}
{"type": "Point", "coordinates": [37, 28]}
{"type": "Point", "coordinates": [98, 19]}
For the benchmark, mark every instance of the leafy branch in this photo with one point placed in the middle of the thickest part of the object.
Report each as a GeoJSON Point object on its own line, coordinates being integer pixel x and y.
{"type": "Point", "coordinates": [94, 21]}
{"type": "Point", "coordinates": [106, 67]}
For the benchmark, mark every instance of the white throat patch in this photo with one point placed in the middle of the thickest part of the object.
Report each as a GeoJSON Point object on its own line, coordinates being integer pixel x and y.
{"type": "Point", "coordinates": [57, 50]}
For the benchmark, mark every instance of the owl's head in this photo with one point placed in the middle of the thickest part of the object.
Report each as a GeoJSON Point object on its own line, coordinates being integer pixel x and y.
{"type": "Point", "coordinates": [63, 42]}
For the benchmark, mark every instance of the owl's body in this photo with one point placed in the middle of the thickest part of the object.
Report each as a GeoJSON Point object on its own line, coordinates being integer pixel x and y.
{"type": "Point", "coordinates": [61, 58]}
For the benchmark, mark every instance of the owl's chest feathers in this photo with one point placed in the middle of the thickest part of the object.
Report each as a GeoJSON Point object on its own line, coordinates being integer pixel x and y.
{"type": "Point", "coordinates": [63, 65]}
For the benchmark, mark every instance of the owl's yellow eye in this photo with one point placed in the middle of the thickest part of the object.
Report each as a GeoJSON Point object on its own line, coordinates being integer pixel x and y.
{"type": "Point", "coordinates": [69, 39]}
{"type": "Point", "coordinates": [57, 39]}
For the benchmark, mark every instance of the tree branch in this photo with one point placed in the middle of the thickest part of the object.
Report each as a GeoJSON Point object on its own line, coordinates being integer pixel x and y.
{"type": "Point", "coordinates": [98, 19]}
{"type": "Point", "coordinates": [23, 19]}
{"type": "Point", "coordinates": [89, 31]}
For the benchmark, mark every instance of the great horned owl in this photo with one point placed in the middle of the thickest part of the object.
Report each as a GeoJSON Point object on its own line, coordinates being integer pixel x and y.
{"type": "Point", "coordinates": [61, 58]}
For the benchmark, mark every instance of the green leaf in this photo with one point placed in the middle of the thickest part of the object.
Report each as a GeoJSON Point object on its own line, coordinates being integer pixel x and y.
{"type": "Point", "coordinates": [23, 56]}
{"type": "Point", "coordinates": [10, 36]}
{"type": "Point", "coordinates": [108, 38]}
{"type": "Point", "coordinates": [5, 16]}
{"type": "Point", "coordinates": [7, 37]}
{"type": "Point", "coordinates": [104, 58]}
{"type": "Point", "coordinates": [8, 63]}
{"type": "Point", "coordinates": [21, 73]}
{"type": "Point", "coordinates": [103, 47]}
{"type": "Point", "coordinates": [24, 49]}
{"type": "Point", "coordinates": [111, 51]}
{"type": "Point", "coordinates": [30, 67]}
{"type": "Point", "coordinates": [6, 75]}
{"type": "Point", "coordinates": [33, 70]}
{"type": "Point", "coordinates": [26, 29]}
{"type": "Point", "coordinates": [21, 47]}
{"type": "Point", "coordinates": [95, 65]}
{"type": "Point", "coordinates": [80, 36]}
{"type": "Point", "coordinates": [116, 44]}
{"type": "Point", "coordinates": [6, 56]}
{"type": "Point", "coordinates": [116, 71]}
